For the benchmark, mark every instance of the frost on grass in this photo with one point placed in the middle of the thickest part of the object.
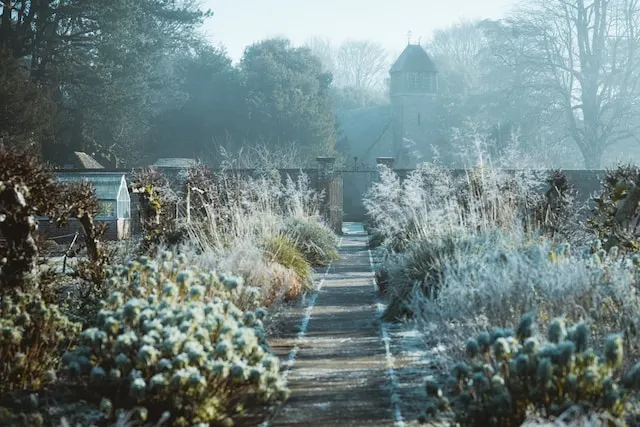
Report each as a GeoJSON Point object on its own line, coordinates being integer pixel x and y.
{"type": "Point", "coordinates": [462, 254]}
{"type": "Point", "coordinates": [239, 220]}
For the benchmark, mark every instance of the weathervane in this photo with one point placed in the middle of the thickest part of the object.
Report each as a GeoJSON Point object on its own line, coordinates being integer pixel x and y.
{"type": "Point", "coordinates": [409, 37]}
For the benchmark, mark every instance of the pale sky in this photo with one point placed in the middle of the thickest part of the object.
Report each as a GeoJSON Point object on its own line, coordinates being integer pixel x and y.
{"type": "Point", "coordinates": [238, 23]}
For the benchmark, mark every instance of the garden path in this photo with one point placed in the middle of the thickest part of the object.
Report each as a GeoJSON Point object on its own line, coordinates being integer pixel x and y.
{"type": "Point", "coordinates": [344, 367]}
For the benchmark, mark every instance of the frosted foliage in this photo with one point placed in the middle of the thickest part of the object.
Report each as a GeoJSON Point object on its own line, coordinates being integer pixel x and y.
{"type": "Point", "coordinates": [172, 341]}
{"type": "Point", "coordinates": [505, 276]}
{"type": "Point", "coordinates": [432, 201]}
{"type": "Point", "coordinates": [257, 207]}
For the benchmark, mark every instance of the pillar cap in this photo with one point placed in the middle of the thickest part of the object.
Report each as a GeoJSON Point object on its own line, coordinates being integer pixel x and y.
{"type": "Point", "coordinates": [326, 160]}
{"type": "Point", "coordinates": [387, 161]}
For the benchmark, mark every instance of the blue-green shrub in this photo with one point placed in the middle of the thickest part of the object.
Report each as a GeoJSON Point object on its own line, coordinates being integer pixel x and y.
{"type": "Point", "coordinates": [177, 345]}
{"type": "Point", "coordinates": [510, 373]}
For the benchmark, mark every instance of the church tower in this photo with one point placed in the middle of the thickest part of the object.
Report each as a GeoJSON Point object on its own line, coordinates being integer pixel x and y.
{"type": "Point", "coordinates": [413, 90]}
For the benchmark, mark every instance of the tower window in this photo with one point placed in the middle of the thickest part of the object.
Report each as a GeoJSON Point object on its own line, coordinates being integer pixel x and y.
{"type": "Point", "coordinates": [413, 81]}
{"type": "Point", "coordinates": [424, 81]}
{"type": "Point", "coordinates": [433, 83]}
{"type": "Point", "coordinates": [419, 119]}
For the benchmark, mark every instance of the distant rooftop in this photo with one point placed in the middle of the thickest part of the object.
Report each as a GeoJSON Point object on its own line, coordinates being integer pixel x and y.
{"type": "Point", "coordinates": [175, 162]}
{"type": "Point", "coordinates": [413, 59]}
{"type": "Point", "coordinates": [85, 161]}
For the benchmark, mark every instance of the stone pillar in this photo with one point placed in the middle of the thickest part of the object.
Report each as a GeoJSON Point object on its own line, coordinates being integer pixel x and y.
{"type": "Point", "coordinates": [330, 182]}
{"type": "Point", "coordinates": [326, 166]}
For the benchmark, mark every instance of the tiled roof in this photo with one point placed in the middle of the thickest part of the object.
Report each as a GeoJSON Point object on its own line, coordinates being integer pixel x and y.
{"type": "Point", "coordinates": [85, 161]}
{"type": "Point", "coordinates": [413, 59]}
{"type": "Point", "coordinates": [175, 163]}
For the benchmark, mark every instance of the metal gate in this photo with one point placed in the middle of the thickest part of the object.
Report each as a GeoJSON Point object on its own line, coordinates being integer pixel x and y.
{"type": "Point", "coordinates": [344, 191]}
{"type": "Point", "coordinates": [355, 185]}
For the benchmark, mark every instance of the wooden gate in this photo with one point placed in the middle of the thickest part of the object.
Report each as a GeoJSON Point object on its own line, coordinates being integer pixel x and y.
{"type": "Point", "coordinates": [330, 182]}
{"type": "Point", "coordinates": [335, 201]}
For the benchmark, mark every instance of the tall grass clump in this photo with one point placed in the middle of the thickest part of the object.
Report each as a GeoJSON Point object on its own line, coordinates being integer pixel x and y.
{"type": "Point", "coordinates": [313, 238]}
{"type": "Point", "coordinates": [423, 218]}
{"type": "Point", "coordinates": [261, 227]}
{"type": "Point", "coordinates": [283, 251]}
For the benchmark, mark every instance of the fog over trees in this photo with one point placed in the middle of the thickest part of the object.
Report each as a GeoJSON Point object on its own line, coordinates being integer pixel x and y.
{"type": "Point", "coordinates": [129, 82]}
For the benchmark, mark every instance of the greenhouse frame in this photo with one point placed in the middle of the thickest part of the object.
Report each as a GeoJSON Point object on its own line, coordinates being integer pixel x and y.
{"type": "Point", "coordinates": [111, 190]}
{"type": "Point", "coordinates": [115, 210]}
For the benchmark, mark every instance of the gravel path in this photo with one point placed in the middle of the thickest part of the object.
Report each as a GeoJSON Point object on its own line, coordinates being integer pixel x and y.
{"type": "Point", "coordinates": [343, 366]}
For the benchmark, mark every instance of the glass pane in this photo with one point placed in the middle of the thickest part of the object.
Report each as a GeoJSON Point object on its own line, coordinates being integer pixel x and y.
{"type": "Point", "coordinates": [106, 208]}
{"type": "Point", "coordinates": [124, 209]}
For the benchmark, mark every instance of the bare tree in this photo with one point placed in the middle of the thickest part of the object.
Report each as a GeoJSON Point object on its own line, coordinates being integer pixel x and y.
{"type": "Point", "coordinates": [456, 49]}
{"type": "Point", "coordinates": [587, 54]}
{"type": "Point", "coordinates": [323, 49]}
{"type": "Point", "coordinates": [359, 69]}
{"type": "Point", "coordinates": [362, 64]}
{"type": "Point", "coordinates": [357, 64]}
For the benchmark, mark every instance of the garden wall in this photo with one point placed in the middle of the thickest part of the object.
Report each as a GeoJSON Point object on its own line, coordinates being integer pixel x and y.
{"type": "Point", "coordinates": [356, 184]}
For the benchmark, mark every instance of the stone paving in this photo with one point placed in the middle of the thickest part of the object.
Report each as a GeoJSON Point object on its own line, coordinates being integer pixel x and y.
{"type": "Point", "coordinates": [343, 366]}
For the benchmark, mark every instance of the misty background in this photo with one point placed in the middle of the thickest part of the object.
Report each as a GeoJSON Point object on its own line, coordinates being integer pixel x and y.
{"type": "Point", "coordinates": [533, 84]}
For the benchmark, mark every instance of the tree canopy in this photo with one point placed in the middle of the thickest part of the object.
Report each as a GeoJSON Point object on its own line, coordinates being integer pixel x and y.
{"type": "Point", "coordinates": [132, 81]}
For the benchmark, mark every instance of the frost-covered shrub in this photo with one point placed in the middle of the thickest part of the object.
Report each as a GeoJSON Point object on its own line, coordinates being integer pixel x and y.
{"type": "Point", "coordinates": [281, 284]}
{"type": "Point", "coordinates": [33, 335]}
{"type": "Point", "coordinates": [314, 239]}
{"type": "Point", "coordinates": [146, 276]}
{"type": "Point", "coordinates": [386, 207]}
{"type": "Point", "coordinates": [268, 281]}
{"type": "Point", "coordinates": [511, 374]}
{"type": "Point", "coordinates": [501, 277]}
{"type": "Point", "coordinates": [431, 201]}
{"type": "Point", "coordinates": [173, 348]}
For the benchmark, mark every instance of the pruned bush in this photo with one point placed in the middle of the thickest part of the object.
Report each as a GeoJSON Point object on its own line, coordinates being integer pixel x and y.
{"type": "Point", "coordinates": [175, 347]}
{"type": "Point", "coordinates": [27, 189]}
{"type": "Point", "coordinates": [33, 335]}
{"type": "Point", "coordinates": [615, 215]}
{"type": "Point", "coordinates": [510, 375]}
{"type": "Point", "coordinates": [158, 203]}
{"type": "Point", "coordinates": [282, 250]}
{"type": "Point", "coordinates": [556, 211]}
{"type": "Point", "coordinates": [314, 239]}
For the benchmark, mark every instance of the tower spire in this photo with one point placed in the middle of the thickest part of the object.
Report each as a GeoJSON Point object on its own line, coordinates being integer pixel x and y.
{"type": "Point", "coordinates": [409, 37]}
